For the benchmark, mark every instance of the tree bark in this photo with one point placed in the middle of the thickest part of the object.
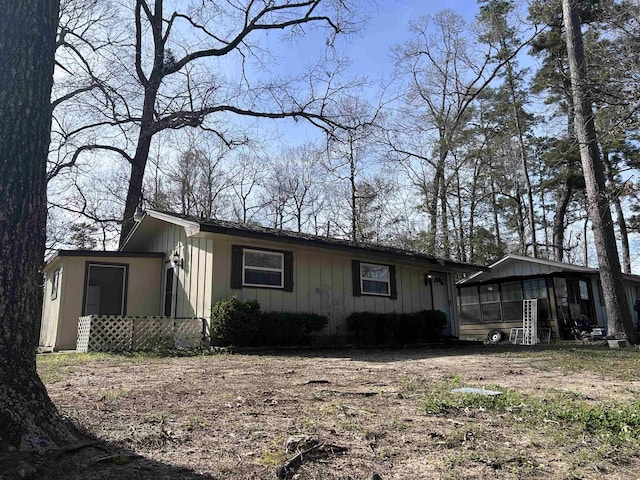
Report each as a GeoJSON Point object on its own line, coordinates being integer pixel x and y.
{"type": "Point", "coordinates": [619, 323]}
{"type": "Point", "coordinates": [558, 220]}
{"type": "Point", "coordinates": [622, 223]}
{"type": "Point", "coordinates": [28, 418]}
{"type": "Point", "coordinates": [523, 156]}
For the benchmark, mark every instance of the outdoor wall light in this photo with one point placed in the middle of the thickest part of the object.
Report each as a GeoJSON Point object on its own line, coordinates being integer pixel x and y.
{"type": "Point", "coordinates": [427, 279]}
{"type": "Point", "coordinates": [176, 260]}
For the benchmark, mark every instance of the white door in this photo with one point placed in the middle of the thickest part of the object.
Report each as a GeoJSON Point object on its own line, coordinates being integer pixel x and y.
{"type": "Point", "coordinates": [440, 296]}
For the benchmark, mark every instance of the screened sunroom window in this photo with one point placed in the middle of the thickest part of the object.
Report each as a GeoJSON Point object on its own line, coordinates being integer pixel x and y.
{"type": "Point", "coordinates": [262, 269]}
{"type": "Point", "coordinates": [470, 305]}
{"type": "Point", "coordinates": [511, 301]}
{"type": "Point", "coordinates": [490, 303]}
{"type": "Point", "coordinates": [375, 279]}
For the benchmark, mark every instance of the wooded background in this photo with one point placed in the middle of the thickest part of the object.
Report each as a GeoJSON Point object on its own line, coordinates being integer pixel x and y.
{"type": "Point", "coordinates": [465, 149]}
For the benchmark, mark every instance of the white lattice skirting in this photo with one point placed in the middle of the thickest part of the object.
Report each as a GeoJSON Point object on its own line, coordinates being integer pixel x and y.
{"type": "Point", "coordinates": [106, 333]}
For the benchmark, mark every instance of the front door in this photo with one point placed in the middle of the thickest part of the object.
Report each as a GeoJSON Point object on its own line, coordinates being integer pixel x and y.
{"type": "Point", "coordinates": [440, 295]}
{"type": "Point", "coordinates": [168, 289]}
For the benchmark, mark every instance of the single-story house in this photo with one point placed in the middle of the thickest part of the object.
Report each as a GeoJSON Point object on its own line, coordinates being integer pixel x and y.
{"type": "Point", "coordinates": [568, 296]}
{"type": "Point", "coordinates": [178, 266]}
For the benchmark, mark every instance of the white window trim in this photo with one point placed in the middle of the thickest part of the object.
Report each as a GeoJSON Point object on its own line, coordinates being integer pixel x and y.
{"type": "Point", "coordinates": [124, 283]}
{"type": "Point", "coordinates": [55, 283]}
{"type": "Point", "coordinates": [376, 294]}
{"type": "Point", "coordinates": [264, 269]}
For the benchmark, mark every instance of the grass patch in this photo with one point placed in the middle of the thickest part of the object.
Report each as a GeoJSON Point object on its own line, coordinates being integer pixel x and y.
{"type": "Point", "coordinates": [618, 421]}
{"type": "Point", "coordinates": [52, 366]}
{"type": "Point", "coordinates": [622, 364]}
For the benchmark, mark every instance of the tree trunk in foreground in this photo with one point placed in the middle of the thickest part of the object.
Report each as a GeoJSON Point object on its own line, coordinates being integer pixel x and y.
{"type": "Point", "coordinates": [619, 323]}
{"type": "Point", "coordinates": [28, 418]}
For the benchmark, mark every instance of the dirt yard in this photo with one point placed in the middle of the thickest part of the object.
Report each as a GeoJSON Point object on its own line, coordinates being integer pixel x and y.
{"type": "Point", "coordinates": [355, 414]}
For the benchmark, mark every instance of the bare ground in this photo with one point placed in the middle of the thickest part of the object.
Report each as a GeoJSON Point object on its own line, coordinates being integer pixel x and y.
{"type": "Point", "coordinates": [227, 416]}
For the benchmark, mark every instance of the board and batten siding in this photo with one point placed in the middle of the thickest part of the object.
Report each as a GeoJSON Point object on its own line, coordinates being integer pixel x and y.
{"type": "Point", "coordinates": [322, 283]}
{"type": "Point", "coordinates": [193, 295]}
{"type": "Point", "coordinates": [322, 278]}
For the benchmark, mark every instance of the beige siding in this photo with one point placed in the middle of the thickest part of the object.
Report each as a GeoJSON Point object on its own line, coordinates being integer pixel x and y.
{"type": "Point", "coordinates": [322, 283]}
{"type": "Point", "coordinates": [143, 295]}
{"type": "Point", "coordinates": [193, 296]}
{"type": "Point", "coordinates": [51, 307]}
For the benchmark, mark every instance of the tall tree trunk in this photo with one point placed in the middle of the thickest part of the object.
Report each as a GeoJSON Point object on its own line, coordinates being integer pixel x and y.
{"type": "Point", "coordinates": [523, 157]}
{"type": "Point", "coordinates": [139, 164]}
{"type": "Point", "coordinates": [494, 209]}
{"type": "Point", "coordinates": [354, 191]}
{"type": "Point", "coordinates": [444, 219]}
{"type": "Point", "coordinates": [585, 231]}
{"type": "Point", "coordinates": [619, 321]}
{"type": "Point", "coordinates": [620, 220]}
{"type": "Point", "coordinates": [558, 220]}
{"type": "Point", "coordinates": [28, 418]}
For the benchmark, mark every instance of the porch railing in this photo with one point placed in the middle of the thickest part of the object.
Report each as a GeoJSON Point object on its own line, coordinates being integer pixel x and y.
{"type": "Point", "coordinates": [103, 333]}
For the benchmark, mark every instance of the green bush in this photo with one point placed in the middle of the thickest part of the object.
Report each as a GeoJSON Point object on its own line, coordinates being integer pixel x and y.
{"type": "Point", "coordinates": [397, 328]}
{"type": "Point", "coordinates": [289, 328]}
{"type": "Point", "coordinates": [235, 321]}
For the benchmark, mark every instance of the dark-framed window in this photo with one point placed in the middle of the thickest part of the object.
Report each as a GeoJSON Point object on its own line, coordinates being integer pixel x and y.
{"type": "Point", "coordinates": [376, 279]}
{"type": "Point", "coordinates": [105, 289]}
{"type": "Point", "coordinates": [256, 267]}
{"type": "Point", "coordinates": [55, 284]}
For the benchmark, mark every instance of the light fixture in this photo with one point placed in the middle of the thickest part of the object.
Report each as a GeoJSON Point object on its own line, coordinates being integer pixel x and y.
{"type": "Point", "coordinates": [138, 214]}
{"type": "Point", "coordinates": [427, 279]}
{"type": "Point", "coordinates": [176, 261]}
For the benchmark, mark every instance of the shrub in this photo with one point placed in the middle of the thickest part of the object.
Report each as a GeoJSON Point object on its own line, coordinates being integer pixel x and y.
{"type": "Point", "coordinates": [289, 328]}
{"type": "Point", "coordinates": [235, 321]}
{"type": "Point", "coordinates": [397, 328]}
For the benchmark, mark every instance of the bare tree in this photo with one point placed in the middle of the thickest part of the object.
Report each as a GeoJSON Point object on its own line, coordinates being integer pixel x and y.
{"type": "Point", "coordinates": [619, 321]}
{"type": "Point", "coordinates": [248, 174]}
{"type": "Point", "coordinates": [176, 75]}
{"type": "Point", "coordinates": [444, 71]}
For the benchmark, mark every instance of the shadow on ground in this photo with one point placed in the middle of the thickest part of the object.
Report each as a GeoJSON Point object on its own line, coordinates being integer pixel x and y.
{"type": "Point", "coordinates": [399, 354]}
{"type": "Point", "coordinates": [91, 460]}
{"type": "Point", "coordinates": [378, 354]}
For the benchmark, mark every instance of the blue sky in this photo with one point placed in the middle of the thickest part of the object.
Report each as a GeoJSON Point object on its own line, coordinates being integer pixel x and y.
{"type": "Point", "coordinates": [368, 50]}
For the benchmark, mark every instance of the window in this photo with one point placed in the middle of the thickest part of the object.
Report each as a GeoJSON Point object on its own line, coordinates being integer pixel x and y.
{"type": "Point", "coordinates": [470, 305]}
{"type": "Point", "coordinates": [55, 282]}
{"type": "Point", "coordinates": [375, 279]}
{"type": "Point", "coordinates": [262, 269]}
{"type": "Point", "coordinates": [105, 289]}
{"type": "Point", "coordinates": [490, 303]}
{"type": "Point", "coordinates": [511, 301]}
{"type": "Point", "coordinates": [537, 288]}
{"type": "Point", "coordinates": [169, 299]}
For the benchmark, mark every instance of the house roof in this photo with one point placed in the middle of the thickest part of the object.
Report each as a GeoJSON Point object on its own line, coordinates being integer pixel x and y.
{"type": "Point", "coordinates": [554, 267]}
{"type": "Point", "coordinates": [101, 254]}
{"type": "Point", "coordinates": [195, 225]}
